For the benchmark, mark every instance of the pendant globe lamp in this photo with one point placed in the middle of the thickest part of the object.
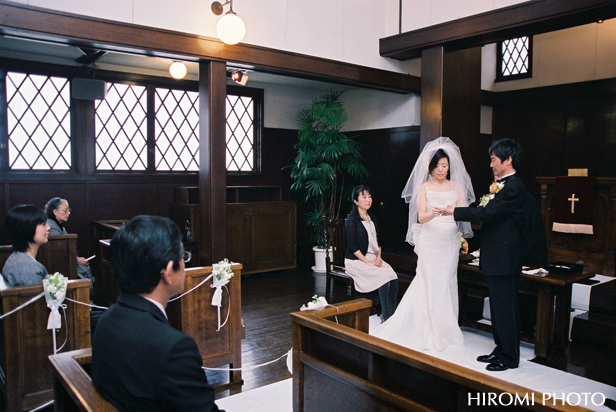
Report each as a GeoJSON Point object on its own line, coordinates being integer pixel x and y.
{"type": "Point", "coordinates": [230, 28]}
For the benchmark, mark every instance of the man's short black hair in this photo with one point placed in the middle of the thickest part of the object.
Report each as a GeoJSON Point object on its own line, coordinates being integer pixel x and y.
{"type": "Point", "coordinates": [141, 249]}
{"type": "Point", "coordinates": [505, 148]}
{"type": "Point", "coordinates": [21, 223]}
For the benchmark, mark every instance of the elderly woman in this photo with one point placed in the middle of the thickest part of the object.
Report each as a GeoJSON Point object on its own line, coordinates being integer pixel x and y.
{"type": "Point", "coordinates": [27, 229]}
{"type": "Point", "coordinates": [58, 211]}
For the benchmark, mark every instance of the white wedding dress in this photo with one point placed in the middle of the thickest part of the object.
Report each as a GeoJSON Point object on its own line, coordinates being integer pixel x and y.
{"type": "Point", "coordinates": [427, 316]}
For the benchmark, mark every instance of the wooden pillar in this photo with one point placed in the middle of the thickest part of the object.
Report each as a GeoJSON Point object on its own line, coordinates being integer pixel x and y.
{"type": "Point", "coordinates": [451, 102]}
{"type": "Point", "coordinates": [212, 162]}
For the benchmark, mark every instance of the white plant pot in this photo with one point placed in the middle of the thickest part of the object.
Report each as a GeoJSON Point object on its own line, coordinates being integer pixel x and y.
{"type": "Point", "coordinates": [319, 259]}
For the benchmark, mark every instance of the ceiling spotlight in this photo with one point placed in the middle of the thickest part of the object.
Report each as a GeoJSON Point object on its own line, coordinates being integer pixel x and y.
{"type": "Point", "coordinates": [178, 70]}
{"type": "Point", "coordinates": [230, 28]}
{"type": "Point", "coordinates": [239, 77]}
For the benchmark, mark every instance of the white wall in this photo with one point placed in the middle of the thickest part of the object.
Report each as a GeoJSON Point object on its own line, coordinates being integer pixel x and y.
{"type": "Point", "coordinates": [343, 30]}
{"type": "Point", "coordinates": [578, 54]}
{"type": "Point", "coordinates": [366, 109]}
{"type": "Point", "coordinates": [423, 13]}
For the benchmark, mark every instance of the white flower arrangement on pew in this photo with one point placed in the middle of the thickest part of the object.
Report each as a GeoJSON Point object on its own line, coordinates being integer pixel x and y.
{"type": "Point", "coordinates": [317, 302]}
{"type": "Point", "coordinates": [222, 272]}
{"type": "Point", "coordinates": [221, 275]}
{"type": "Point", "coordinates": [55, 287]}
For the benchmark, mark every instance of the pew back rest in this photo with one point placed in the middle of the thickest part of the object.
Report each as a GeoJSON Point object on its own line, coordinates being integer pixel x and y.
{"type": "Point", "coordinates": [26, 342]}
{"type": "Point", "coordinates": [59, 254]}
{"type": "Point", "coordinates": [73, 387]}
{"type": "Point", "coordinates": [338, 366]}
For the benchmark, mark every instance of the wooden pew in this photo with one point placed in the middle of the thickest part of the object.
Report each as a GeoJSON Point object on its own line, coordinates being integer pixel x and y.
{"type": "Point", "coordinates": [194, 315]}
{"type": "Point", "coordinates": [25, 342]}
{"type": "Point", "coordinates": [59, 254]}
{"type": "Point", "coordinates": [72, 386]}
{"type": "Point", "coordinates": [339, 367]}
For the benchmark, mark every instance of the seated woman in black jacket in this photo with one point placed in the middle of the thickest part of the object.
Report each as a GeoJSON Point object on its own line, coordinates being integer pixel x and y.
{"type": "Point", "coordinates": [363, 255]}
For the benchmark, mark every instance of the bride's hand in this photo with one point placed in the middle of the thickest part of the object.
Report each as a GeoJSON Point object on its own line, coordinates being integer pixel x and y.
{"type": "Point", "coordinates": [378, 262]}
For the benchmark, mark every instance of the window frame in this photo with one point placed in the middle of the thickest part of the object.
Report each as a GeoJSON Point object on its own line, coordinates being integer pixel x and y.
{"type": "Point", "coordinates": [257, 125]}
{"type": "Point", "coordinates": [82, 145]}
{"type": "Point", "coordinates": [499, 61]}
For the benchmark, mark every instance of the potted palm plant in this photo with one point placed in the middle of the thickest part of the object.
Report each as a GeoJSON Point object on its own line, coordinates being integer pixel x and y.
{"type": "Point", "coordinates": [327, 167]}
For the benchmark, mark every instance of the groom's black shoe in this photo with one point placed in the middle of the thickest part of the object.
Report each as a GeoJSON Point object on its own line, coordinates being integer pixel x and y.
{"type": "Point", "coordinates": [497, 366]}
{"type": "Point", "coordinates": [487, 358]}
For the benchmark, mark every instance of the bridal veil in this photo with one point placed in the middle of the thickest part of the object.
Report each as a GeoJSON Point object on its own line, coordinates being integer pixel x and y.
{"type": "Point", "coordinates": [420, 174]}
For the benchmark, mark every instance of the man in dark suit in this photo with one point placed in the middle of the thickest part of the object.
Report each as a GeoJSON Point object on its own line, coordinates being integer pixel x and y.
{"type": "Point", "coordinates": [139, 362]}
{"type": "Point", "coordinates": [511, 232]}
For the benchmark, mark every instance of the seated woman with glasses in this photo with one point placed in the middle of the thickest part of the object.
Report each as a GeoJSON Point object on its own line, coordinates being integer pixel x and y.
{"type": "Point", "coordinates": [27, 229]}
{"type": "Point", "coordinates": [58, 211]}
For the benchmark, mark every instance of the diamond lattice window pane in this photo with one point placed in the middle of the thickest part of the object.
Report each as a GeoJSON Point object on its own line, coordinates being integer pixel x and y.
{"type": "Point", "coordinates": [177, 130]}
{"type": "Point", "coordinates": [515, 56]}
{"type": "Point", "coordinates": [240, 133]}
{"type": "Point", "coordinates": [38, 120]}
{"type": "Point", "coordinates": [121, 128]}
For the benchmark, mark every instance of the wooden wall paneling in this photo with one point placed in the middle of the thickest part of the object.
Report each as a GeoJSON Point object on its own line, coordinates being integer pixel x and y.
{"type": "Point", "coordinates": [212, 165]}
{"type": "Point", "coordinates": [462, 106]}
{"type": "Point", "coordinates": [590, 134]}
{"type": "Point", "coordinates": [123, 201]}
{"type": "Point", "coordinates": [451, 100]}
{"type": "Point", "coordinates": [390, 156]}
{"type": "Point", "coordinates": [83, 139]}
{"type": "Point", "coordinates": [431, 94]}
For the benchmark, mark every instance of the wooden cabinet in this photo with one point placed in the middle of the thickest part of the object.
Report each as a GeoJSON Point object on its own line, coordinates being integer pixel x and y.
{"type": "Point", "coordinates": [261, 228]}
{"type": "Point", "coordinates": [262, 235]}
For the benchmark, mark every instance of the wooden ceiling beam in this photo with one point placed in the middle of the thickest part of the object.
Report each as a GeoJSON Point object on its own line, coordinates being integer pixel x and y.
{"type": "Point", "coordinates": [523, 19]}
{"type": "Point", "coordinates": [25, 21]}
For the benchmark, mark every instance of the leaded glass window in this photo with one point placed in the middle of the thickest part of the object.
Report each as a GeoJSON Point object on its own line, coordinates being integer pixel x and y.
{"type": "Point", "coordinates": [177, 130]}
{"type": "Point", "coordinates": [240, 133]}
{"type": "Point", "coordinates": [514, 59]}
{"type": "Point", "coordinates": [121, 128]}
{"type": "Point", "coordinates": [39, 122]}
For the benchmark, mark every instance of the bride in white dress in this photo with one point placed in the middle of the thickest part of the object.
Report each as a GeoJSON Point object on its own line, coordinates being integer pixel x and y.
{"type": "Point", "coordinates": [427, 316]}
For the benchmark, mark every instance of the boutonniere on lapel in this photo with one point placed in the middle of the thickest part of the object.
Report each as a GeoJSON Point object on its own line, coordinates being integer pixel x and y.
{"type": "Point", "coordinates": [494, 189]}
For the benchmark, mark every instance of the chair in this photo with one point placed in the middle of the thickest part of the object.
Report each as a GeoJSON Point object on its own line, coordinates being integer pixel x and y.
{"type": "Point", "coordinates": [335, 240]}
{"type": "Point", "coordinates": [335, 237]}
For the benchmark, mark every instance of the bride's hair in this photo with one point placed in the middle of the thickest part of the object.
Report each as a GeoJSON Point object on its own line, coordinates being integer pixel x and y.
{"type": "Point", "coordinates": [440, 154]}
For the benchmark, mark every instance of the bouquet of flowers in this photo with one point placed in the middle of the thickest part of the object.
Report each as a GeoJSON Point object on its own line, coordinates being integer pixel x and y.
{"type": "Point", "coordinates": [494, 189]}
{"type": "Point", "coordinates": [222, 271]}
{"type": "Point", "coordinates": [463, 246]}
{"type": "Point", "coordinates": [316, 303]}
{"type": "Point", "coordinates": [54, 287]}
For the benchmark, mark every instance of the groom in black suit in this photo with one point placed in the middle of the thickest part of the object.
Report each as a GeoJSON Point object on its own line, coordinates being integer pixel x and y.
{"type": "Point", "coordinates": [140, 362]}
{"type": "Point", "coordinates": [512, 233]}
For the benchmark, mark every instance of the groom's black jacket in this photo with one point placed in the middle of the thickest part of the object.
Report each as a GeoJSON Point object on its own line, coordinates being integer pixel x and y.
{"type": "Point", "coordinates": [512, 231]}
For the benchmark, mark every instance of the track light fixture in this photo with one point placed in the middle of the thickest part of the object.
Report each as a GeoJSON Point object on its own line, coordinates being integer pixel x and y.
{"type": "Point", "coordinates": [239, 77]}
{"type": "Point", "coordinates": [178, 70]}
{"type": "Point", "coordinates": [230, 28]}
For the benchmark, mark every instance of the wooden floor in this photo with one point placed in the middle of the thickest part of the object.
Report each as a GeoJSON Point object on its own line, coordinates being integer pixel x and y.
{"type": "Point", "coordinates": [268, 298]}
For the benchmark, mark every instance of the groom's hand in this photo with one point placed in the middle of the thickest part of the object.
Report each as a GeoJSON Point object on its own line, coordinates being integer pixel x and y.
{"type": "Point", "coordinates": [446, 211]}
